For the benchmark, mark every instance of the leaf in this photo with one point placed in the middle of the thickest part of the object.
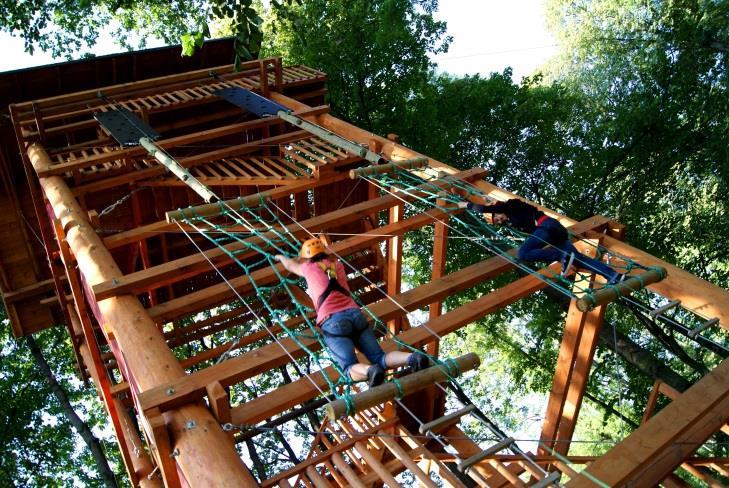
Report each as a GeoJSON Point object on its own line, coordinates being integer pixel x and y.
{"type": "Point", "coordinates": [188, 44]}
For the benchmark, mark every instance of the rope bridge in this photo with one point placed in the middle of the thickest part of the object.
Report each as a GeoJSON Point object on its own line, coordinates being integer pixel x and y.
{"type": "Point", "coordinates": [500, 240]}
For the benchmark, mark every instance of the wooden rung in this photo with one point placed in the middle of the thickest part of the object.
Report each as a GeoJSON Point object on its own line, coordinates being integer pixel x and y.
{"type": "Point", "coordinates": [388, 168]}
{"type": "Point", "coordinates": [610, 293]}
{"type": "Point", "coordinates": [694, 332]}
{"type": "Point", "coordinates": [552, 478]}
{"type": "Point", "coordinates": [664, 308]}
{"type": "Point", "coordinates": [316, 478]}
{"type": "Point", "coordinates": [468, 462]}
{"type": "Point", "coordinates": [408, 384]}
{"type": "Point", "coordinates": [433, 425]}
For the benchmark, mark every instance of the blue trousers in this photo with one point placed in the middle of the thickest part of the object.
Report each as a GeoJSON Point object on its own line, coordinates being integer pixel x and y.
{"type": "Point", "coordinates": [553, 233]}
{"type": "Point", "coordinates": [345, 330]}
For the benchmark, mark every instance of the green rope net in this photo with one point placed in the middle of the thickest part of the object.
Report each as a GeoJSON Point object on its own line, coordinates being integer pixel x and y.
{"type": "Point", "coordinates": [253, 235]}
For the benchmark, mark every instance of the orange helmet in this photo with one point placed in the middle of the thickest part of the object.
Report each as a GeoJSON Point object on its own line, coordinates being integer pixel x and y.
{"type": "Point", "coordinates": [311, 247]}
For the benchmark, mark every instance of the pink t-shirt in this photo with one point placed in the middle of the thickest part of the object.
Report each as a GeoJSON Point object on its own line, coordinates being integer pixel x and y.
{"type": "Point", "coordinates": [316, 283]}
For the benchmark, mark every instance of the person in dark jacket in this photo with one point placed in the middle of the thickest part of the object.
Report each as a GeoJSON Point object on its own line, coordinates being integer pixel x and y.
{"type": "Point", "coordinates": [548, 240]}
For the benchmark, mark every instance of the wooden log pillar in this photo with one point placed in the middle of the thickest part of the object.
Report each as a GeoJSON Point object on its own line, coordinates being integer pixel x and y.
{"type": "Point", "coordinates": [206, 456]}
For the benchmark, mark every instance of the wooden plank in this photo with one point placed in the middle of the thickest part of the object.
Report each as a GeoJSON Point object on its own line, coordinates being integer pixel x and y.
{"type": "Point", "coordinates": [448, 478]}
{"type": "Point", "coordinates": [343, 446]}
{"type": "Point", "coordinates": [400, 453]}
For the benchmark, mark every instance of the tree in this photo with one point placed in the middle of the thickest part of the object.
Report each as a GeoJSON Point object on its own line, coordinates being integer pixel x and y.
{"type": "Point", "coordinates": [39, 445]}
{"type": "Point", "coordinates": [654, 80]}
{"type": "Point", "coordinates": [67, 27]}
{"type": "Point", "coordinates": [375, 53]}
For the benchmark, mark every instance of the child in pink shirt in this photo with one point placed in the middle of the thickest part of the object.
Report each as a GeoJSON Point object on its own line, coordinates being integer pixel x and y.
{"type": "Point", "coordinates": [342, 324]}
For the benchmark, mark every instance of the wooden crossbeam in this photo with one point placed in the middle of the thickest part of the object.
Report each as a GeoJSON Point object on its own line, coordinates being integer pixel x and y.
{"type": "Point", "coordinates": [156, 228]}
{"type": "Point", "coordinates": [706, 299]}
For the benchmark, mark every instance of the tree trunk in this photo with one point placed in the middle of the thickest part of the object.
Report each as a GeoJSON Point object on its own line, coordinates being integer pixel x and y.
{"type": "Point", "coordinates": [107, 475]}
{"type": "Point", "coordinates": [629, 350]}
{"type": "Point", "coordinates": [257, 463]}
{"type": "Point", "coordinates": [640, 358]}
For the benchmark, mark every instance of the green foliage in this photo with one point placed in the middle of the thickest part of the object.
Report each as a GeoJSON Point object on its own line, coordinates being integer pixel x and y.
{"type": "Point", "coordinates": [375, 53]}
{"type": "Point", "coordinates": [39, 446]}
{"type": "Point", "coordinates": [65, 28]}
{"type": "Point", "coordinates": [654, 76]}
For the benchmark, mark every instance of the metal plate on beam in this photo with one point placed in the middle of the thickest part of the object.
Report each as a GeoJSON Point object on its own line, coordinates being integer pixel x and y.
{"type": "Point", "coordinates": [253, 102]}
{"type": "Point", "coordinates": [125, 126]}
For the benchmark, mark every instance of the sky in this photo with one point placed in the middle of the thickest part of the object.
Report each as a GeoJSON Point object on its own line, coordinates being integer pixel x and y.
{"type": "Point", "coordinates": [488, 35]}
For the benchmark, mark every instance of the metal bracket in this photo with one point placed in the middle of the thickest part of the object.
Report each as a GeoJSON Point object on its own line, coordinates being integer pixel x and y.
{"type": "Point", "coordinates": [125, 126]}
{"type": "Point", "coordinates": [248, 100]}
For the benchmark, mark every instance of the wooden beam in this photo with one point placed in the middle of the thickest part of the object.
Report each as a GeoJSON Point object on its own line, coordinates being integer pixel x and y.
{"type": "Point", "coordinates": [219, 293]}
{"type": "Point", "coordinates": [572, 371]}
{"type": "Point", "coordinates": [659, 446]}
{"type": "Point", "coordinates": [700, 296]}
{"type": "Point", "coordinates": [394, 263]}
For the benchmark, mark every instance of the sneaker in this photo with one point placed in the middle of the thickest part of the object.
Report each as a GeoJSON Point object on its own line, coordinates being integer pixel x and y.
{"type": "Point", "coordinates": [566, 262]}
{"type": "Point", "coordinates": [417, 361]}
{"type": "Point", "coordinates": [375, 375]}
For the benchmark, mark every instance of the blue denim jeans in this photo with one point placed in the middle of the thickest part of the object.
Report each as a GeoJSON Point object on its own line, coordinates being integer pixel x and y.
{"type": "Point", "coordinates": [552, 232]}
{"type": "Point", "coordinates": [345, 330]}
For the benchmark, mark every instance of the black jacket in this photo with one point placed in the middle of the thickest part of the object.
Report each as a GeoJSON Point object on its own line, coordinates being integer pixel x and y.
{"type": "Point", "coordinates": [521, 215]}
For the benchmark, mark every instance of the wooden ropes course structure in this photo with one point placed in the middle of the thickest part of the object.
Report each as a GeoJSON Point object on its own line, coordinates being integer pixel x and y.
{"type": "Point", "coordinates": [144, 213]}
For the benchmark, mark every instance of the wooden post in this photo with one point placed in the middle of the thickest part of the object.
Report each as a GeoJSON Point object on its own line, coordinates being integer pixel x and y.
{"type": "Point", "coordinates": [408, 384]}
{"type": "Point", "coordinates": [206, 456]}
{"type": "Point", "coordinates": [394, 264]}
{"type": "Point", "coordinates": [572, 371]}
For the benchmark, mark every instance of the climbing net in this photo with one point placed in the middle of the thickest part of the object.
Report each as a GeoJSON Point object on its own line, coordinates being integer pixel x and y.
{"type": "Point", "coordinates": [254, 249]}
{"type": "Point", "coordinates": [252, 236]}
{"type": "Point", "coordinates": [421, 193]}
